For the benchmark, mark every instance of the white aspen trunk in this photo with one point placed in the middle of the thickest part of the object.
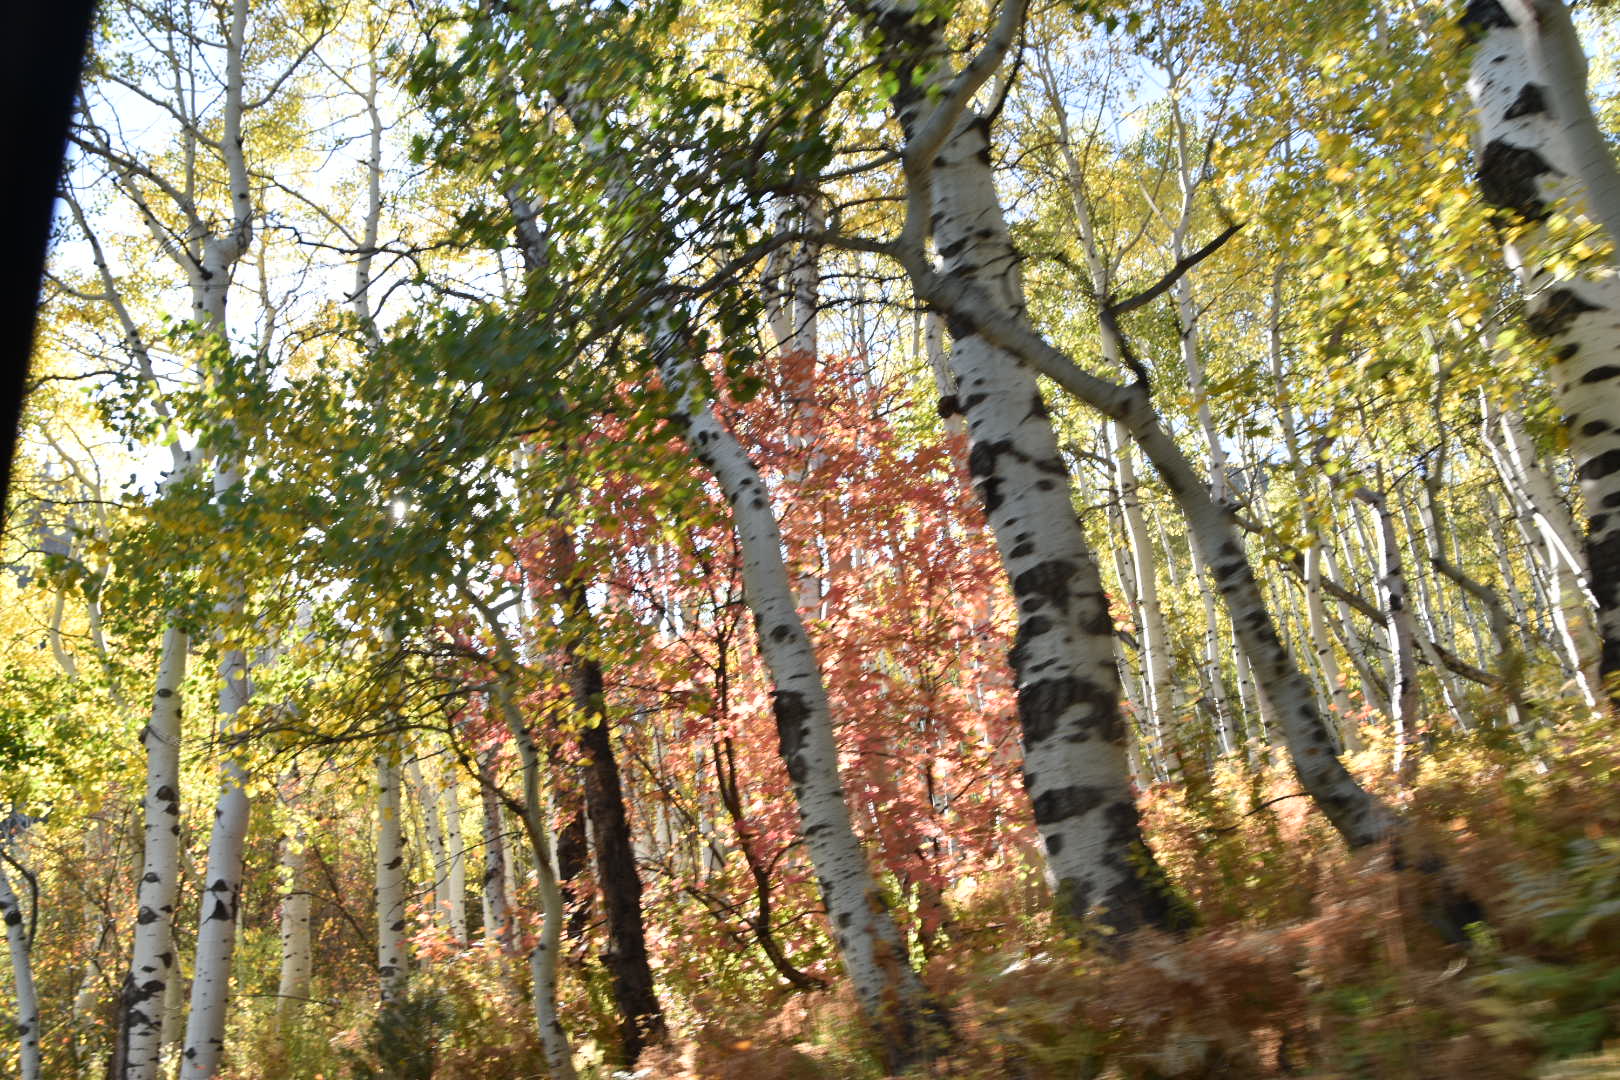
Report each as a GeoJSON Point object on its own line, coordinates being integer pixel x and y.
{"type": "Point", "coordinates": [1181, 291]}
{"type": "Point", "coordinates": [1322, 642]}
{"type": "Point", "coordinates": [293, 986]}
{"type": "Point", "coordinates": [1504, 564]}
{"type": "Point", "coordinates": [1539, 148]}
{"type": "Point", "coordinates": [1566, 579]}
{"type": "Point", "coordinates": [1213, 681]}
{"type": "Point", "coordinates": [495, 892]}
{"type": "Point", "coordinates": [457, 850]}
{"type": "Point", "coordinates": [1154, 630]}
{"type": "Point", "coordinates": [1545, 564]}
{"type": "Point", "coordinates": [22, 976]}
{"type": "Point", "coordinates": [152, 961]}
{"type": "Point", "coordinates": [392, 963]}
{"type": "Point", "coordinates": [1555, 54]}
{"type": "Point", "coordinates": [869, 943]}
{"type": "Point", "coordinates": [222, 891]}
{"type": "Point", "coordinates": [1405, 694]}
{"type": "Point", "coordinates": [1372, 683]}
{"type": "Point", "coordinates": [1421, 544]}
{"type": "Point", "coordinates": [174, 1016]}
{"type": "Point", "coordinates": [427, 801]}
{"type": "Point", "coordinates": [222, 888]}
{"type": "Point", "coordinates": [977, 288]}
{"type": "Point", "coordinates": [1075, 765]}
{"type": "Point", "coordinates": [543, 958]}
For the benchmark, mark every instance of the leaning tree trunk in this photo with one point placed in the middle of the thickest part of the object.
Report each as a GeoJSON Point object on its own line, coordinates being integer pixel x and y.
{"type": "Point", "coordinates": [977, 289]}
{"type": "Point", "coordinates": [1536, 153]}
{"type": "Point", "coordinates": [543, 957]}
{"type": "Point", "coordinates": [868, 941]}
{"type": "Point", "coordinates": [22, 974]}
{"type": "Point", "coordinates": [1075, 765]}
{"type": "Point", "coordinates": [889, 992]}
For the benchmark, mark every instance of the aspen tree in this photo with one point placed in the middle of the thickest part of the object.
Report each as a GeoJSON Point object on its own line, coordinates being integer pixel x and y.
{"type": "Point", "coordinates": [1542, 155]}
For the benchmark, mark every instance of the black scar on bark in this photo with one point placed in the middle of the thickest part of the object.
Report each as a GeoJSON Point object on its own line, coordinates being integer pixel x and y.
{"type": "Point", "coordinates": [1603, 556]}
{"type": "Point", "coordinates": [13, 916]}
{"type": "Point", "coordinates": [1063, 803]}
{"type": "Point", "coordinates": [949, 406]}
{"type": "Point", "coordinates": [1595, 427]}
{"type": "Point", "coordinates": [960, 326]}
{"type": "Point", "coordinates": [1529, 102]}
{"type": "Point", "coordinates": [1482, 15]}
{"type": "Point", "coordinates": [1601, 373]}
{"type": "Point", "coordinates": [982, 466]}
{"type": "Point", "coordinates": [220, 911]}
{"type": "Point", "coordinates": [1043, 584]}
{"type": "Point", "coordinates": [1041, 703]}
{"type": "Point", "coordinates": [1507, 178]}
{"type": "Point", "coordinates": [781, 632]}
{"type": "Point", "coordinates": [1028, 630]}
{"type": "Point", "coordinates": [400, 925]}
{"type": "Point", "coordinates": [1599, 467]}
{"type": "Point", "coordinates": [791, 714]}
{"type": "Point", "coordinates": [1557, 313]}
{"type": "Point", "coordinates": [165, 693]}
{"type": "Point", "coordinates": [395, 864]}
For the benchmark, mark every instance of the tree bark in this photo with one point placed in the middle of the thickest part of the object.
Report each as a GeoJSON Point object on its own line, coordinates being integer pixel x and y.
{"type": "Point", "coordinates": [641, 1019]}
{"type": "Point", "coordinates": [22, 974]}
{"type": "Point", "coordinates": [152, 961]}
{"type": "Point", "coordinates": [1539, 148]}
{"type": "Point", "coordinates": [392, 964]}
{"type": "Point", "coordinates": [1075, 761]}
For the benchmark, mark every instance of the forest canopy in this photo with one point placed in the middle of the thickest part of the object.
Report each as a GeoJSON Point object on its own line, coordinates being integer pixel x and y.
{"type": "Point", "coordinates": [823, 538]}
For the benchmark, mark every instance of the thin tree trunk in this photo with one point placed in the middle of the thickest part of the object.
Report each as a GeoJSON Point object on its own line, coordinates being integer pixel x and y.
{"type": "Point", "coordinates": [427, 800]}
{"type": "Point", "coordinates": [1405, 694]}
{"type": "Point", "coordinates": [392, 965]}
{"type": "Point", "coordinates": [887, 988]}
{"type": "Point", "coordinates": [1153, 629]}
{"type": "Point", "coordinates": [497, 907]}
{"type": "Point", "coordinates": [22, 978]}
{"type": "Point", "coordinates": [457, 850]}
